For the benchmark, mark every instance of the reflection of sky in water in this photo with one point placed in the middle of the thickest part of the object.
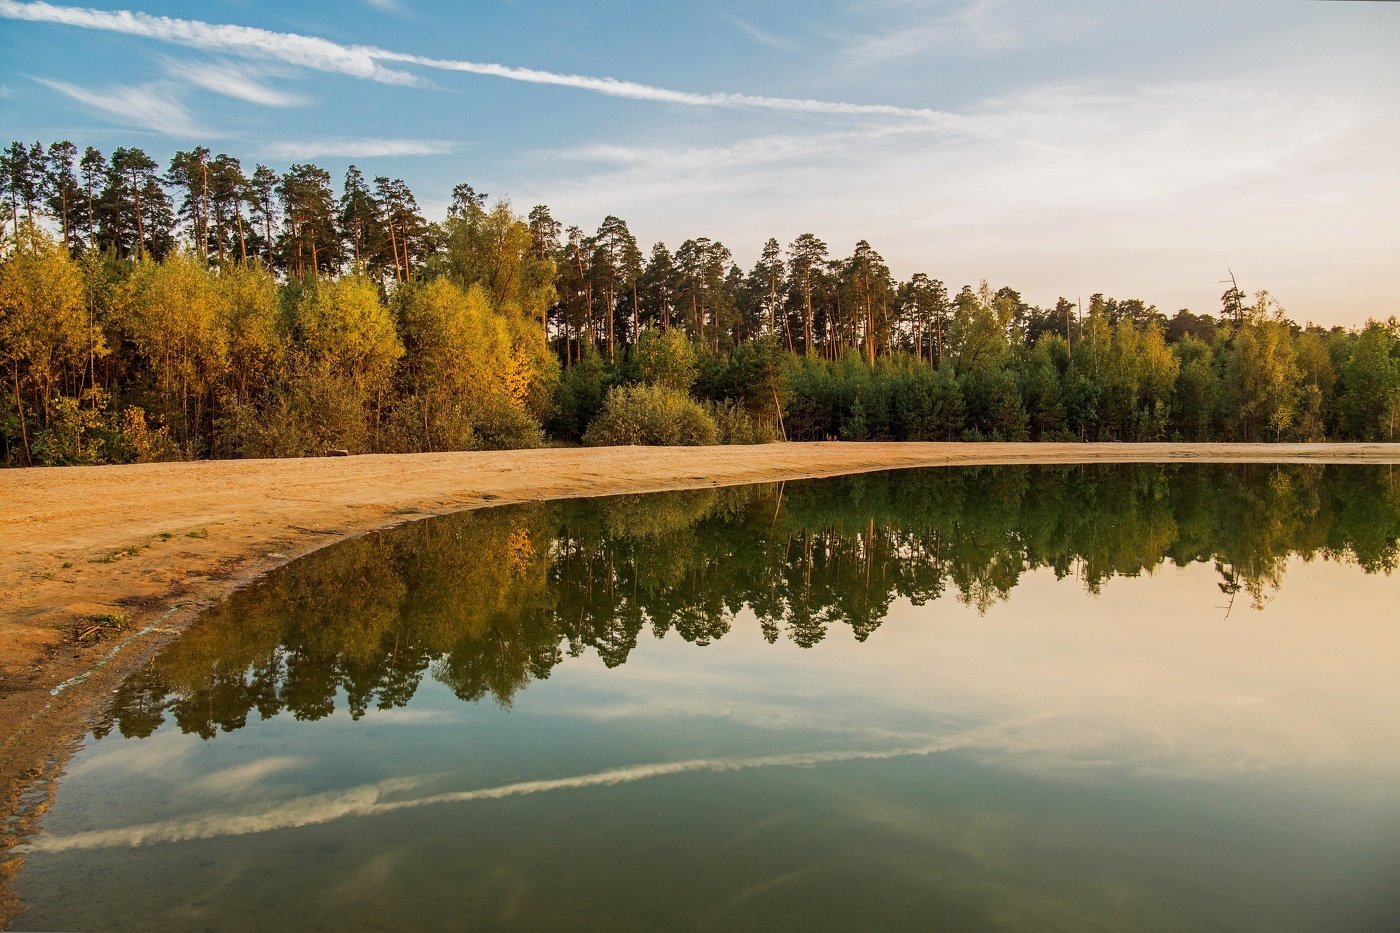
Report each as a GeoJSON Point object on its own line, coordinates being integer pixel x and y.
{"type": "Point", "coordinates": [1136, 759]}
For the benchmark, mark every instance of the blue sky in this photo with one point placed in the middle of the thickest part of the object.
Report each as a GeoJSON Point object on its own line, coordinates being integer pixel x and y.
{"type": "Point", "coordinates": [1134, 148]}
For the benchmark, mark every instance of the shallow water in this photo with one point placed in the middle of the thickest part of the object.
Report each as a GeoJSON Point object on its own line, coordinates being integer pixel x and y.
{"type": "Point", "coordinates": [1028, 698]}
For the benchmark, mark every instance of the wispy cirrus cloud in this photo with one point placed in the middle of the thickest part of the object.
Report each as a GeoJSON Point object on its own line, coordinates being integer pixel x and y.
{"type": "Point", "coordinates": [303, 51]}
{"type": "Point", "coordinates": [1037, 190]}
{"type": "Point", "coordinates": [978, 26]}
{"type": "Point", "coordinates": [757, 34]}
{"type": "Point", "coordinates": [357, 147]}
{"type": "Point", "coordinates": [148, 106]}
{"type": "Point", "coordinates": [235, 81]}
{"type": "Point", "coordinates": [368, 62]}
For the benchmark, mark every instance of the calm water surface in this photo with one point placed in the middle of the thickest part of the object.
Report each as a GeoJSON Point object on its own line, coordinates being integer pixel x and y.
{"type": "Point", "coordinates": [1021, 698]}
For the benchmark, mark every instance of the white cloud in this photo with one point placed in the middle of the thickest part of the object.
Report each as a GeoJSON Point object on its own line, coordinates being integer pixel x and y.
{"type": "Point", "coordinates": [234, 81]}
{"type": "Point", "coordinates": [357, 148]}
{"type": "Point", "coordinates": [761, 36]}
{"type": "Point", "coordinates": [302, 811]}
{"type": "Point", "coordinates": [365, 62]}
{"type": "Point", "coordinates": [977, 26]}
{"type": "Point", "coordinates": [164, 754]}
{"type": "Point", "coordinates": [404, 717]}
{"type": "Point", "coordinates": [1150, 192]}
{"type": "Point", "coordinates": [149, 106]}
{"type": "Point", "coordinates": [612, 87]}
{"type": "Point", "coordinates": [303, 51]}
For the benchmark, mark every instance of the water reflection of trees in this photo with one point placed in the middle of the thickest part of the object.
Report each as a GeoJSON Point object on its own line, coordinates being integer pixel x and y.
{"type": "Point", "coordinates": [487, 601]}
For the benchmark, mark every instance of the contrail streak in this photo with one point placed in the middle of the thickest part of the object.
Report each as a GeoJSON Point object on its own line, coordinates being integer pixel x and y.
{"type": "Point", "coordinates": [369, 799]}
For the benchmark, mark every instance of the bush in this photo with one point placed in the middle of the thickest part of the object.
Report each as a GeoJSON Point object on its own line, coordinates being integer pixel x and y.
{"type": "Point", "coordinates": [77, 434]}
{"type": "Point", "coordinates": [419, 426]}
{"type": "Point", "coordinates": [138, 441]}
{"type": "Point", "coordinates": [579, 395]}
{"type": "Point", "coordinates": [90, 431]}
{"type": "Point", "coordinates": [737, 426]}
{"type": "Point", "coordinates": [303, 418]}
{"type": "Point", "coordinates": [499, 425]}
{"type": "Point", "coordinates": [994, 408]}
{"type": "Point", "coordinates": [651, 415]}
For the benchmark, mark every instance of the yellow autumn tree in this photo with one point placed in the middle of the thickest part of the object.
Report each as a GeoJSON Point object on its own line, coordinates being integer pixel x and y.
{"type": "Point", "coordinates": [249, 316]}
{"type": "Point", "coordinates": [44, 333]}
{"type": "Point", "coordinates": [175, 320]}
{"type": "Point", "coordinates": [469, 376]}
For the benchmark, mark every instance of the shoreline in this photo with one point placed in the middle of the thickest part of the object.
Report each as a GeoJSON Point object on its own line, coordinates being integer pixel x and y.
{"type": "Point", "coordinates": [159, 543]}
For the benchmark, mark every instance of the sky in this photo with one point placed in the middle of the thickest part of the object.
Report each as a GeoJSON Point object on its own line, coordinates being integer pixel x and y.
{"type": "Point", "coordinates": [1134, 148]}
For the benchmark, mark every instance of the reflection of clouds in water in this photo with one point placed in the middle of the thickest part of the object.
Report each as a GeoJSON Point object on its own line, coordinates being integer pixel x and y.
{"type": "Point", "coordinates": [407, 717]}
{"type": "Point", "coordinates": [1019, 865]}
{"type": "Point", "coordinates": [1182, 741]}
{"type": "Point", "coordinates": [1193, 737]}
{"type": "Point", "coordinates": [160, 754]}
{"type": "Point", "coordinates": [1144, 679]}
{"type": "Point", "coordinates": [170, 758]}
{"type": "Point", "coordinates": [766, 715]}
{"type": "Point", "coordinates": [303, 811]}
{"type": "Point", "coordinates": [744, 681]}
{"type": "Point", "coordinates": [375, 799]}
{"type": "Point", "coordinates": [242, 777]}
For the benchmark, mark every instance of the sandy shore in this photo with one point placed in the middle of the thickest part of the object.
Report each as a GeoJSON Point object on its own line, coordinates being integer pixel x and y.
{"type": "Point", "coordinates": [158, 542]}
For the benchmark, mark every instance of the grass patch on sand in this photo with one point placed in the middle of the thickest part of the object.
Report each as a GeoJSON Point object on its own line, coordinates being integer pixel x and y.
{"type": "Point", "coordinates": [131, 550]}
{"type": "Point", "coordinates": [94, 628]}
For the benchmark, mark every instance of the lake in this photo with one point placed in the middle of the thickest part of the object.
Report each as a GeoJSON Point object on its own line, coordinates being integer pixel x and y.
{"type": "Point", "coordinates": [1108, 697]}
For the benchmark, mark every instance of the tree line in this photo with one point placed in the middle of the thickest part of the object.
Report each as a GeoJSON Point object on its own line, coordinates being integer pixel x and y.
{"type": "Point", "coordinates": [204, 310]}
{"type": "Point", "coordinates": [809, 561]}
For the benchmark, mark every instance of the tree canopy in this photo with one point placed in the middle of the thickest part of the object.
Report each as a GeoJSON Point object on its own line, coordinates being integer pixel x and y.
{"type": "Point", "coordinates": [207, 310]}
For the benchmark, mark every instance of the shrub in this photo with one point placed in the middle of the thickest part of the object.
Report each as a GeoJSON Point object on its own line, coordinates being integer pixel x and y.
{"type": "Point", "coordinates": [303, 418]}
{"type": "Point", "coordinates": [138, 441]}
{"type": "Point", "coordinates": [994, 408]}
{"type": "Point", "coordinates": [76, 434]}
{"type": "Point", "coordinates": [651, 415]}
{"type": "Point", "coordinates": [579, 396]}
{"type": "Point", "coordinates": [416, 425]}
{"type": "Point", "coordinates": [737, 426]}
{"type": "Point", "coordinates": [500, 425]}
{"type": "Point", "coordinates": [91, 430]}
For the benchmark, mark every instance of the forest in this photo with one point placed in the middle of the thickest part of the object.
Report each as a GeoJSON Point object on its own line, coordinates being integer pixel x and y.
{"type": "Point", "coordinates": [202, 310]}
{"type": "Point", "coordinates": [803, 561]}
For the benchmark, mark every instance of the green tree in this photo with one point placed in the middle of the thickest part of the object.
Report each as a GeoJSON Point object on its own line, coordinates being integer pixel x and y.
{"type": "Point", "coordinates": [806, 259]}
{"type": "Point", "coordinates": [616, 266]}
{"type": "Point", "coordinates": [309, 243]}
{"type": "Point", "coordinates": [1370, 377]}
{"type": "Point", "coordinates": [664, 358]}
{"type": "Point", "coordinates": [1197, 390]}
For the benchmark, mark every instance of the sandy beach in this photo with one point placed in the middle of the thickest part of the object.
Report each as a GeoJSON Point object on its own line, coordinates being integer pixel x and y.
{"type": "Point", "coordinates": [153, 544]}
